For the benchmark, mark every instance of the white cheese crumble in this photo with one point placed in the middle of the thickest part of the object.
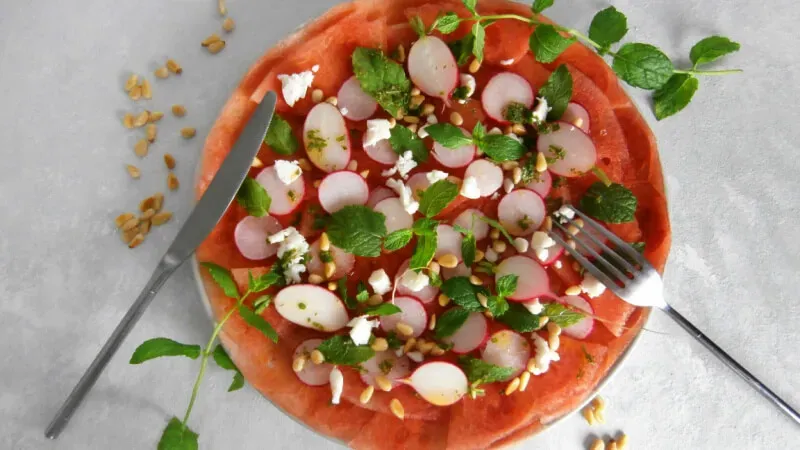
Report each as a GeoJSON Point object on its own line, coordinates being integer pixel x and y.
{"type": "Point", "coordinates": [361, 329]}
{"type": "Point", "coordinates": [377, 130]}
{"type": "Point", "coordinates": [521, 244]}
{"type": "Point", "coordinates": [491, 255]}
{"type": "Point", "coordinates": [337, 385]}
{"type": "Point", "coordinates": [415, 356]}
{"type": "Point", "coordinates": [406, 197]}
{"type": "Point", "coordinates": [432, 119]}
{"type": "Point", "coordinates": [436, 175]}
{"type": "Point", "coordinates": [508, 185]}
{"type": "Point", "coordinates": [422, 133]}
{"type": "Point", "coordinates": [468, 81]}
{"type": "Point", "coordinates": [404, 164]}
{"type": "Point", "coordinates": [344, 111]}
{"type": "Point", "coordinates": [294, 86]}
{"type": "Point", "coordinates": [507, 62]}
{"type": "Point", "coordinates": [414, 281]}
{"type": "Point", "coordinates": [541, 110]}
{"type": "Point", "coordinates": [469, 188]}
{"type": "Point", "coordinates": [558, 264]}
{"type": "Point", "coordinates": [315, 68]}
{"type": "Point", "coordinates": [541, 242]}
{"type": "Point", "coordinates": [543, 355]}
{"type": "Point", "coordinates": [535, 307]}
{"type": "Point", "coordinates": [564, 214]}
{"type": "Point", "coordinates": [293, 247]}
{"type": "Point", "coordinates": [591, 286]}
{"type": "Point", "coordinates": [288, 171]}
{"type": "Point", "coordinates": [380, 282]}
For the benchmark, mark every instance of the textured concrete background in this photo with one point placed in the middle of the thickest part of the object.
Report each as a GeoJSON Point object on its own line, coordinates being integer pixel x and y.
{"type": "Point", "coordinates": [66, 279]}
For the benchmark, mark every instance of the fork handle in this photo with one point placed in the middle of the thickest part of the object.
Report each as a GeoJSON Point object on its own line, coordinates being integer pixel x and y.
{"type": "Point", "coordinates": [754, 382]}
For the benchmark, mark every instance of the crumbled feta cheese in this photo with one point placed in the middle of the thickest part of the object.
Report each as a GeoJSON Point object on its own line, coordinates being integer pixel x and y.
{"type": "Point", "coordinates": [415, 356]}
{"type": "Point", "coordinates": [432, 119]}
{"type": "Point", "coordinates": [422, 133]}
{"type": "Point", "coordinates": [491, 255]}
{"type": "Point", "coordinates": [469, 188]}
{"type": "Point", "coordinates": [337, 385]}
{"type": "Point", "coordinates": [436, 175]}
{"type": "Point", "coordinates": [344, 111]}
{"type": "Point", "coordinates": [380, 282]}
{"type": "Point", "coordinates": [535, 307]}
{"type": "Point", "coordinates": [406, 197]}
{"type": "Point", "coordinates": [291, 251]}
{"type": "Point", "coordinates": [591, 286]}
{"type": "Point", "coordinates": [468, 81]}
{"type": "Point", "coordinates": [541, 110]}
{"type": "Point", "coordinates": [288, 171]}
{"type": "Point", "coordinates": [399, 352]}
{"type": "Point", "coordinates": [521, 244]}
{"type": "Point", "coordinates": [404, 164]}
{"type": "Point", "coordinates": [558, 264]}
{"type": "Point", "coordinates": [415, 281]}
{"type": "Point", "coordinates": [515, 137]}
{"type": "Point", "coordinates": [564, 214]}
{"type": "Point", "coordinates": [495, 130]}
{"type": "Point", "coordinates": [541, 242]}
{"type": "Point", "coordinates": [294, 86]}
{"type": "Point", "coordinates": [315, 68]}
{"type": "Point", "coordinates": [543, 355]}
{"type": "Point", "coordinates": [361, 329]}
{"type": "Point", "coordinates": [507, 62]}
{"type": "Point", "coordinates": [377, 130]}
{"type": "Point", "coordinates": [508, 185]}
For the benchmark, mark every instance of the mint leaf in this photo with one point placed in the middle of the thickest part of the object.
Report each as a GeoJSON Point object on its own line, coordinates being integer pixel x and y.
{"type": "Point", "coordinates": [393, 340]}
{"type": "Point", "coordinates": [486, 267]}
{"type": "Point", "coordinates": [384, 309]}
{"type": "Point", "coordinates": [341, 289]}
{"type": "Point", "coordinates": [547, 43]}
{"type": "Point", "coordinates": [223, 278]}
{"type": "Point", "coordinates": [479, 371]}
{"type": "Point", "coordinates": [642, 65]}
{"type": "Point", "coordinates": [357, 230]}
{"type": "Point", "coordinates": [496, 225]}
{"type": "Point", "coordinates": [608, 27]}
{"type": "Point", "coordinates": [468, 247]}
{"type": "Point", "coordinates": [225, 362]}
{"type": "Point", "coordinates": [507, 285]}
{"type": "Point", "coordinates": [610, 204]}
{"type": "Point", "coordinates": [497, 305]}
{"type": "Point", "coordinates": [478, 132]}
{"type": "Point", "coordinates": [558, 92]}
{"type": "Point", "coordinates": [519, 319]}
{"type": "Point", "coordinates": [674, 95]}
{"type": "Point", "coordinates": [448, 135]}
{"type": "Point", "coordinates": [258, 322]}
{"type": "Point", "coordinates": [261, 303]}
{"type": "Point", "coordinates": [450, 321]}
{"type": "Point", "coordinates": [540, 5]}
{"type": "Point", "coordinates": [462, 48]}
{"type": "Point", "coordinates": [480, 40]}
{"type": "Point", "coordinates": [460, 93]}
{"type": "Point", "coordinates": [382, 79]}
{"type": "Point", "coordinates": [158, 347]}
{"type": "Point", "coordinates": [471, 4]}
{"type": "Point", "coordinates": [418, 26]}
{"type": "Point", "coordinates": [267, 280]}
{"type": "Point", "coordinates": [436, 198]}
{"type": "Point", "coordinates": [363, 294]}
{"type": "Point", "coordinates": [398, 239]}
{"type": "Point", "coordinates": [448, 23]}
{"type": "Point", "coordinates": [638, 246]}
{"type": "Point", "coordinates": [462, 293]}
{"type": "Point", "coordinates": [402, 140]}
{"type": "Point", "coordinates": [712, 48]}
{"type": "Point", "coordinates": [280, 137]}
{"type": "Point", "coordinates": [253, 197]}
{"type": "Point", "coordinates": [340, 350]}
{"type": "Point", "coordinates": [176, 436]}
{"type": "Point", "coordinates": [424, 225]}
{"type": "Point", "coordinates": [435, 279]}
{"type": "Point", "coordinates": [423, 253]}
{"type": "Point", "coordinates": [500, 148]}
{"type": "Point", "coordinates": [561, 315]}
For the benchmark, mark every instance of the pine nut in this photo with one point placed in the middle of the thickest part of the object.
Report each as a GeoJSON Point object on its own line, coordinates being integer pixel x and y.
{"type": "Point", "coordinates": [499, 246]}
{"type": "Point", "coordinates": [304, 164]}
{"type": "Point", "coordinates": [494, 234]}
{"type": "Point", "coordinates": [317, 95]}
{"type": "Point", "coordinates": [475, 280]}
{"type": "Point", "coordinates": [512, 386]}
{"type": "Point", "coordinates": [315, 278]}
{"type": "Point", "coordinates": [488, 314]}
{"type": "Point", "coordinates": [588, 414]}
{"type": "Point", "coordinates": [448, 261]}
{"type": "Point", "coordinates": [474, 66]}
{"type": "Point", "coordinates": [415, 91]}
{"type": "Point", "coordinates": [531, 366]}
{"type": "Point", "coordinates": [443, 300]}
{"type": "Point", "coordinates": [161, 72]}
{"type": "Point", "coordinates": [411, 119]}
{"type": "Point", "coordinates": [332, 286]}
{"type": "Point", "coordinates": [174, 67]}
{"type": "Point", "coordinates": [138, 239]}
{"type": "Point", "coordinates": [317, 357]}
{"type": "Point", "coordinates": [599, 403]}
{"type": "Point", "coordinates": [543, 320]}
{"type": "Point", "coordinates": [598, 444]}
{"type": "Point", "coordinates": [144, 227]}
{"type": "Point", "coordinates": [188, 132]}
{"type": "Point", "coordinates": [364, 174]}
{"type": "Point", "coordinates": [599, 417]}
{"type": "Point", "coordinates": [541, 162]}
{"type": "Point", "coordinates": [401, 53]}
{"type": "Point", "coordinates": [428, 109]}
{"type": "Point", "coordinates": [127, 236]}
{"type": "Point", "coordinates": [524, 379]}
{"type": "Point", "coordinates": [434, 267]}
{"type": "Point", "coordinates": [135, 93]}
{"type": "Point", "coordinates": [169, 161]}
{"type": "Point", "coordinates": [155, 116]}
{"type": "Point", "coordinates": [133, 171]}
{"type": "Point", "coordinates": [178, 110]}
{"type": "Point", "coordinates": [426, 347]}
{"type": "Point", "coordinates": [578, 222]}
{"type": "Point", "coordinates": [553, 328]}
{"type": "Point", "coordinates": [161, 218]}
{"type": "Point", "coordinates": [483, 300]}
{"type": "Point", "coordinates": [392, 122]}
{"type": "Point", "coordinates": [172, 181]}
{"type": "Point", "coordinates": [299, 363]}
{"type": "Point", "coordinates": [223, 10]}
{"type": "Point", "coordinates": [437, 351]}
{"type": "Point", "coordinates": [132, 223]}
{"type": "Point", "coordinates": [151, 131]}
{"type": "Point", "coordinates": [147, 90]}
{"type": "Point", "coordinates": [158, 201]}
{"type": "Point", "coordinates": [519, 129]}
{"type": "Point", "coordinates": [409, 345]}
{"type": "Point", "coordinates": [141, 119]}
{"type": "Point", "coordinates": [131, 82]}
{"type": "Point", "coordinates": [573, 290]}
{"type": "Point", "coordinates": [507, 130]}
{"type": "Point", "coordinates": [383, 383]}
{"type": "Point", "coordinates": [127, 120]}
{"type": "Point", "coordinates": [375, 299]}
{"type": "Point", "coordinates": [509, 165]}
{"type": "Point", "coordinates": [216, 47]}
{"type": "Point", "coordinates": [366, 395]}
{"type": "Point", "coordinates": [330, 269]}
{"type": "Point", "coordinates": [404, 329]}
{"type": "Point", "coordinates": [352, 165]}
{"type": "Point", "coordinates": [547, 224]}
{"type": "Point", "coordinates": [432, 322]}
{"type": "Point", "coordinates": [416, 100]}
{"type": "Point", "coordinates": [379, 344]}
{"type": "Point", "coordinates": [456, 119]}
{"type": "Point", "coordinates": [140, 148]}
{"type": "Point", "coordinates": [257, 163]}
{"type": "Point", "coordinates": [412, 128]}
{"type": "Point", "coordinates": [612, 446]}
{"type": "Point", "coordinates": [479, 254]}
{"type": "Point", "coordinates": [332, 100]}
{"type": "Point", "coordinates": [572, 230]}
{"type": "Point", "coordinates": [622, 441]}
{"type": "Point", "coordinates": [553, 341]}
{"type": "Point", "coordinates": [147, 203]}
{"type": "Point", "coordinates": [228, 25]}
{"type": "Point", "coordinates": [397, 408]}
{"type": "Point", "coordinates": [123, 218]}
{"type": "Point", "coordinates": [324, 242]}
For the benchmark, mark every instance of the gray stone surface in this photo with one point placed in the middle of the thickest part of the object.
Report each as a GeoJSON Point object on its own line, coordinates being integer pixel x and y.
{"type": "Point", "coordinates": [65, 278]}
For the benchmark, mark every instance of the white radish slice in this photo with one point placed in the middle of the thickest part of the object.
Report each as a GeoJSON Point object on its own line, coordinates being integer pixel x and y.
{"type": "Point", "coordinates": [470, 219]}
{"type": "Point", "coordinates": [418, 183]}
{"type": "Point", "coordinates": [344, 261]}
{"type": "Point", "coordinates": [341, 189]}
{"type": "Point", "coordinates": [400, 368]}
{"type": "Point", "coordinates": [581, 329]}
{"type": "Point", "coordinates": [448, 241]}
{"type": "Point", "coordinates": [396, 216]}
{"type": "Point", "coordinates": [413, 314]}
{"type": "Point", "coordinates": [380, 152]}
{"type": "Point", "coordinates": [251, 235]}
{"type": "Point", "coordinates": [439, 383]}
{"type": "Point", "coordinates": [521, 212]}
{"type": "Point", "coordinates": [432, 67]}
{"type": "Point", "coordinates": [356, 104]}
{"type": "Point", "coordinates": [426, 295]}
{"type": "Point", "coordinates": [503, 89]}
{"type": "Point", "coordinates": [487, 174]}
{"type": "Point", "coordinates": [312, 374]}
{"type": "Point", "coordinates": [461, 270]}
{"type": "Point", "coordinates": [285, 197]}
{"type": "Point", "coordinates": [311, 307]}
{"type": "Point", "coordinates": [454, 157]}
{"type": "Point", "coordinates": [507, 349]}
{"type": "Point", "coordinates": [378, 194]}
{"type": "Point", "coordinates": [543, 185]}
{"type": "Point", "coordinates": [532, 279]}
{"type": "Point", "coordinates": [471, 335]}
{"type": "Point", "coordinates": [578, 116]}
{"type": "Point", "coordinates": [579, 153]}
{"type": "Point", "coordinates": [326, 138]}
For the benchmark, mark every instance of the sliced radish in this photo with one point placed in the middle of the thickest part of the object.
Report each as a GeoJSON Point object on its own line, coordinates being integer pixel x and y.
{"type": "Point", "coordinates": [312, 374]}
{"type": "Point", "coordinates": [487, 174]}
{"type": "Point", "coordinates": [440, 383]}
{"type": "Point", "coordinates": [432, 67]}
{"type": "Point", "coordinates": [342, 188]}
{"type": "Point", "coordinates": [418, 183]}
{"type": "Point", "coordinates": [471, 335]}
{"type": "Point", "coordinates": [507, 349]}
{"type": "Point", "coordinates": [344, 261]}
{"type": "Point", "coordinates": [413, 314]}
{"type": "Point", "coordinates": [285, 197]}
{"type": "Point", "coordinates": [581, 329]}
{"type": "Point", "coordinates": [461, 270]}
{"type": "Point", "coordinates": [470, 219]}
{"type": "Point", "coordinates": [532, 279]}
{"type": "Point", "coordinates": [396, 216]}
{"type": "Point", "coordinates": [251, 235]}
{"type": "Point", "coordinates": [521, 212]}
{"type": "Point", "coordinates": [380, 152]}
{"type": "Point", "coordinates": [311, 307]}
{"type": "Point", "coordinates": [503, 89]}
{"type": "Point", "coordinates": [543, 185]}
{"type": "Point", "coordinates": [454, 157]}
{"type": "Point", "coordinates": [378, 194]}
{"type": "Point", "coordinates": [356, 104]}
{"type": "Point", "coordinates": [448, 241]}
{"type": "Point", "coordinates": [426, 295]}
{"type": "Point", "coordinates": [398, 368]}
{"type": "Point", "coordinates": [578, 116]}
{"type": "Point", "coordinates": [572, 151]}
{"type": "Point", "coordinates": [326, 138]}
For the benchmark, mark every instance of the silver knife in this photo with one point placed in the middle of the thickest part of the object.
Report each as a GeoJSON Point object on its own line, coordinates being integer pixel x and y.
{"type": "Point", "coordinates": [201, 221]}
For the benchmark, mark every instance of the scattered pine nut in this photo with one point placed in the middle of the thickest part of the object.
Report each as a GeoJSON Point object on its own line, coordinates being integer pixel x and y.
{"type": "Point", "coordinates": [138, 239]}
{"type": "Point", "coordinates": [161, 218]}
{"type": "Point", "coordinates": [147, 215]}
{"type": "Point", "coordinates": [317, 357]}
{"type": "Point", "coordinates": [174, 67]}
{"type": "Point", "coordinates": [404, 329]}
{"type": "Point", "coordinates": [379, 344]}
{"type": "Point", "coordinates": [541, 162]}
{"type": "Point", "coordinates": [434, 267]}
{"type": "Point", "coordinates": [622, 441]}
{"type": "Point", "coordinates": [257, 163]}
{"type": "Point", "coordinates": [531, 366]}
{"type": "Point", "coordinates": [214, 37]}
{"type": "Point", "coordinates": [141, 119]}
{"type": "Point", "coordinates": [131, 82]}
{"type": "Point", "coordinates": [437, 351]}
{"type": "Point", "coordinates": [324, 242]}
{"type": "Point", "coordinates": [158, 201]}
{"type": "Point", "coordinates": [524, 379]}
{"type": "Point", "coordinates": [128, 235]}
{"type": "Point", "coordinates": [317, 183]}
{"type": "Point", "coordinates": [148, 203]}
{"type": "Point", "coordinates": [499, 246]}
{"type": "Point", "coordinates": [475, 280]}
{"type": "Point", "coordinates": [162, 72]}
{"type": "Point", "coordinates": [578, 222]}
{"type": "Point", "coordinates": [479, 255]}
{"type": "Point", "coordinates": [228, 25]}
{"type": "Point", "coordinates": [572, 230]}
{"type": "Point", "coordinates": [426, 347]}
{"type": "Point", "coordinates": [144, 227]}
{"type": "Point", "coordinates": [411, 119]}
{"type": "Point", "coordinates": [383, 383]}
{"type": "Point", "coordinates": [140, 148]}
{"type": "Point", "coordinates": [135, 93]}
{"type": "Point", "coordinates": [397, 408]}
{"type": "Point", "coordinates": [352, 165]}
{"type": "Point", "coordinates": [588, 414]}
{"type": "Point", "coordinates": [392, 122]}
{"type": "Point", "coordinates": [223, 10]}
{"type": "Point", "coordinates": [147, 90]}
{"type": "Point", "coordinates": [512, 386]}
{"type": "Point", "coordinates": [483, 300]}
{"type": "Point", "coordinates": [612, 446]}
{"type": "Point", "coordinates": [428, 109]}
{"type": "Point", "coordinates": [315, 278]}
{"type": "Point", "coordinates": [330, 269]}
{"type": "Point", "coordinates": [178, 110]}
{"type": "Point", "coordinates": [432, 322]}
{"type": "Point", "coordinates": [516, 175]}
{"type": "Point", "coordinates": [304, 164]}
{"type": "Point", "coordinates": [133, 171]}
{"type": "Point", "coordinates": [151, 130]}
{"type": "Point", "coordinates": [317, 95]}
{"type": "Point", "coordinates": [123, 218]}
{"type": "Point", "coordinates": [474, 66]}
{"type": "Point", "coordinates": [299, 363]}
{"type": "Point", "coordinates": [401, 53]}
{"type": "Point", "coordinates": [507, 129]}
{"type": "Point", "coordinates": [415, 91]}
{"type": "Point", "coordinates": [216, 47]}
{"type": "Point", "coordinates": [488, 314]}
{"type": "Point", "coordinates": [127, 120]}
{"type": "Point", "coordinates": [374, 299]}
{"type": "Point", "coordinates": [366, 395]}
{"type": "Point", "coordinates": [598, 444]}
{"type": "Point", "coordinates": [409, 345]}
{"type": "Point", "coordinates": [448, 261]}
{"type": "Point", "coordinates": [573, 290]}
{"type": "Point", "coordinates": [547, 224]}
{"type": "Point", "coordinates": [519, 129]}
{"type": "Point", "coordinates": [456, 119]}
{"type": "Point", "coordinates": [169, 161]}
{"type": "Point", "coordinates": [553, 341]}
{"type": "Point", "coordinates": [188, 132]}
{"type": "Point", "coordinates": [332, 286]}
{"type": "Point", "coordinates": [444, 300]}
{"type": "Point", "coordinates": [332, 100]}
{"type": "Point", "coordinates": [416, 100]}
{"type": "Point", "coordinates": [599, 403]}
{"type": "Point", "coordinates": [364, 174]}
{"type": "Point", "coordinates": [494, 234]}
{"type": "Point", "coordinates": [553, 328]}
{"type": "Point", "coordinates": [172, 182]}
{"type": "Point", "coordinates": [155, 116]}
{"type": "Point", "coordinates": [412, 128]}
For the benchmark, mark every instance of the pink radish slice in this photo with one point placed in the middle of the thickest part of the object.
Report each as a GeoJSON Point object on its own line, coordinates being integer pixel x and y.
{"type": "Point", "coordinates": [503, 89]}
{"type": "Point", "coordinates": [432, 67]}
{"type": "Point", "coordinates": [378, 194]}
{"type": "Point", "coordinates": [578, 116]}
{"type": "Point", "coordinates": [285, 198]}
{"type": "Point", "coordinates": [326, 138]}
{"type": "Point", "coordinates": [448, 241]}
{"type": "Point", "coordinates": [312, 374]}
{"type": "Point", "coordinates": [471, 335]}
{"type": "Point", "coordinates": [357, 103]}
{"type": "Point", "coordinates": [400, 368]}
{"type": "Point", "coordinates": [521, 212]}
{"type": "Point", "coordinates": [470, 219]}
{"type": "Point", "coordinates": [418, 183]}
{"type": "Point", "coordinates": [579, 153]}
{"type": "Point", "coordinates": [341, 189]}
{"type": "Point", "coordinates": [396, 216]}
{"type": "Point", "coordinates": [507, 349]}
{"type": "Point", "coordinates": [344, 261]}
{"type": "Point", "coordinates": [381, 152]}
{"type": "Point", "coordinates": [454, 157]}
{"type": "Point", "coordinates": [461, 270]}
{"type": "Point", "coordinates": [251, 235]}
{"type": "Point", "coordinates": [311, 306]}
{"type": "Point", "coordinates": [543, 185]}
{"type": "Point", "coordinates": [440, 383]}
{"type": "Point", "coordinates": [532, 279]}
{"type": "Point", "coordinates": [413, 315]}
{"type": "Point", "coordinates": [426, 295]}
{"type": "Point", "coordinates": [487, 174]}
{"type": "Point", "coordinates": [581, 329]}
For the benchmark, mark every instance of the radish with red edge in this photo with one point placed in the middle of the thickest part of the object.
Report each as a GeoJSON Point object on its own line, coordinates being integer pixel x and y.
{"type": "Point", "coordinates": [400, 368]}
{"type": "Point", "coordinates": [471, 335]}
{"type": "Point", "coordinates": [507, 349]}
{"type": "Point", "coordinates": [502, 90]}
{"type": "Point", "coordinates": [569, 151]}
{"type": "Point", "coordinates": [326, 138]}
{"type": "Point", "coordinates": [448, 241]}
{"type": "Point", "coordinates": [542, 184]}
{"type": "Point", "coordinates": [454, 157]}
{"type": "Point", "coordinates": [312, 374]}
{"type": "Point", "coordinates": [311, 306]}
{"type": "Point", "coordinates": [521, 212]}
{"type": "Point", "coordinates": [344, 261]}
{"type": "Point", "coordinates": [418, 183]}
{"type": "Point", "coordinates": [426, 295]}
{"type": "Point", "coordinates": [439, 383]}
{"type": "Point", "coordinates": [578, 116]}
{"type": "Point", "coordinates": [397, 217]}
{"type": "Point", "coordinates": [378, 194]}
{"type": "Point", "coordinates": [354, 102]}
{"type": "Point", "coordinates": [532, 279]}
{"type": "Point", "coordinates": [343, 188]}
{"type": "Point", "coordinates": [461, 270]}
{"type": "Point", "coordinates": [413, 314]}
{"type": "Point", "coordinates": [285, 197]}
{"type": "Point", "coordinates": [432, 67]}
{"type": "Point", "coordinates": [380, 152]}
{"type": "Point", "coordinates": [470, 219]}
{"type": "Point", "coordinates": [250, 236]}
{"type": "Point", "coordinates": [582, 328]}
{"type": "Point", "coordinates": [488, 176]}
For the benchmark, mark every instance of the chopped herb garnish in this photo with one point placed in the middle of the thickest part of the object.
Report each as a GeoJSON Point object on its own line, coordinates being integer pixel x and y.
{"type": "Point", "coordinates": [557, 91]}
{"type": "Point", "coordinates": [386, 366]}
{"type": "Point", "coordinates": [558, 153]}
{"type": "Point", "coordinates": [460, 93]}
{"type": "Point", "coordinates": [325, 256]}
{"type": "Point", "coordinates": [517, 113]}
{"type": "Point", "coordinates": [314, 141]}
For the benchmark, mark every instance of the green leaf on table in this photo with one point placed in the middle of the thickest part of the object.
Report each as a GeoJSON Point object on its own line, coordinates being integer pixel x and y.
{"type": "Point", "coordinates": [225, 362]}
{"type": "Point", "coordinates": [158, 347]}
{"type": "Point", "coordinates": [712, 48]}
{"type": "Point", "coordinates": [424, 251]}
{"type": "Point", "coordinates": [479, 43]}
{"type": "Point", "coordinates": [507, 285]}
{"type": "Point", "coordinates": [253, 197]}
{"type": "Point", "coordinates": [611, 204]}
{"type": "Point", "coordinates": [279, 136]}
{"type": "Point", "coordinates": [561, 315]}
{"type": "Point", "coordinates": [340, 350]}
{"type": "Point", "coordinates": [384, 309]}
{"type": "Point", "coordinates": [357, 230]}
{"type": "Point", "coordinates": [448, 135]}
{"type": "Point", "coordinates": [258, 322]}
{"type": "Point", "coordinates": [462, 293]}
{"type": "Point", "coordinates": [448, 23]}
{"type": "Point", "coordinates": [501, 148]}
{"type": "Point", "coordinates": [382, 79]}
{"type": "Point", "coordinates": [436, 198]}
{"type": "Point", "coordinates": [468, 249]}
{"type": "Point", "coordinates": [540, 5]}
{"type": "Point", "coordinates": [425, 225]}
{"type": "Point", "coordinates": [176, 436]}
{"type": "Point", "coordinates": [398, 239]}
{"type": "Point", "coordinates": [402, 139]}
{"type": "Point", "coordinates": [462, 48]}
{"type": "Point", "coordinates": [450, 321]}
{"type": "Point", "coordinates": [547, 43]}
{"type": "Point", "coordinates": [642, 65]}
{"type": "Point", "coordinates": [674, 95]}
{"type": "Point", "coordinates": [608, 27]}
{"type": "Point", "coordinates": [223, 278]}
{"type": "Point", "coordinates": [557, 91]}
{"type": "Point", "coordinates": [519, 319]}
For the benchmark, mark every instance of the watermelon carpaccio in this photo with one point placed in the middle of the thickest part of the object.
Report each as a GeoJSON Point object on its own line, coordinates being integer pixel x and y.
{"type": "Point", "coordinates": [623, 147]}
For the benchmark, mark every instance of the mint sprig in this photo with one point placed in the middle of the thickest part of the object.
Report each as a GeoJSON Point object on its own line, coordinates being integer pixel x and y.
{"type": "Point", "coordinates": [253, 197]}
{"type": "Point", "coordinates": [402, 139]}
{"type": "Point", "coordinates": [496, 146]}
{"type": "Point", "coordinates": [382, 79]}
{"type": "Point", "coordinates": [557, 91]}
{"type": "Point", "coordinates": [357, 230]}
{"type": "Point", "coordinates": [608, 27]}
{"type": "Point", "coordinates": [481, 372]}
{"type": "Point", "coordinates": [177, 436]}
{"type": "Point", "coordinates": [340, 350]}
{"type": "Point", "coordinates": [225, 362]}
{"type": "Point", "coordinates": [463, 293]}
{"type": "Point", "coordinates": [436, 197]}
{"type": "Point", "coordinates": [450, 321]}
{"type": "Point", "coordinates": [398, 239]}
{"type": "Point", "coordinates": [384, 309]}
{"type": "Point", "coordinates": [561, 315]}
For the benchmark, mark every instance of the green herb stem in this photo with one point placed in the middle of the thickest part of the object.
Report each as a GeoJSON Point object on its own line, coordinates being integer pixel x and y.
{"type": "Point", "coordinates": [598, 172]}
{"type": "Point", "coordinates": [710, 72]}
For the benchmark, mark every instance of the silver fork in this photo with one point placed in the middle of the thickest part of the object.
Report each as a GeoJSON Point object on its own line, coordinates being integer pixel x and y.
{"type": "Point", "coordinates": [634, 280]}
